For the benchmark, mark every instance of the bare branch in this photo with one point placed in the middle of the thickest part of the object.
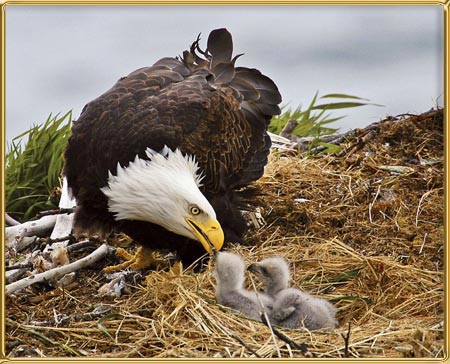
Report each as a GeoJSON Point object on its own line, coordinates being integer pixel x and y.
{"type": "Point", "coordinates": [289, 128]}
{"type": "Point", "coordinates": [56, 273]}
{"type": "Point", "coordinates": [24, 243]}
{"type": "Point", "coordinates": [14, 234]}
{"type": "Point", "coordinates": [302, 347]}
{"type": "Point", "coordinates": [245, 345]}
{"type": "Point", "coordinates": [10, 221]}
{"type": "Point", "coordinates": [14, 275]}
{"type": "Point", "coordinates": [80, 245]}
{"type": "Point", "coordinates": [19, 266]}
{"type": "Point", "coordinates": [346, 338]}
{"type": "Point", "coordinates": [59, 211]}
{"type": "Point", "coordinates": [63, 226]}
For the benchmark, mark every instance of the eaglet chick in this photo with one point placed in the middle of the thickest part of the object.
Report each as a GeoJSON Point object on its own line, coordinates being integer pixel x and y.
{"type": "Point", "coordinates": [229, 273]}
{"type": "Point", "coordinates": [292, 308]}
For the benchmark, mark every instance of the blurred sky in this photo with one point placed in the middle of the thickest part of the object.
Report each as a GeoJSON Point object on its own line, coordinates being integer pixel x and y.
{"type": "Point", "coordinates": [61, 57]}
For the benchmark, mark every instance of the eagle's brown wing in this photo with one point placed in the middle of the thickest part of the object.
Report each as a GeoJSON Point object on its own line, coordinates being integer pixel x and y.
{"type": "Point", "coordinates": [204, 106]}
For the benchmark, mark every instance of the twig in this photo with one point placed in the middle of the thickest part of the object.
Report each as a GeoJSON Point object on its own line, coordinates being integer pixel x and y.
{"type": "Point", "coordinates": [288, 347]}
{"type": "Point", "coordinates": [246, 346]}
{"type": "Point", "coordinates": [80, 245]}
{"type": "Point", "coordinates": [346, 338]}
{"type": "Point", "coordinates": [19, 266]}
{"type": "Point", "coordinates": [56, 273]}
{"type": "Point", "coordinates": [10, 221]}
{"type": "Point", "coordinates": [69, 237]}
{"type": "Point", "coordinates": [419, 206]}
{"type": "Point", "coordinates": [14, 234]}
{"type": "Point", "coordinates": [373, 203]}
{"type": "Point", "coordinates": [14, 275]}
{"type": "Point", "coordinates": [302, 347]}
{"type": "Point", "coordinates": [59, 211]}
{"type": "Point", "coordinates": [266, 318]}
{"type": "Point", "coordinates": [24, 242]}
{"type": "Point", "coordinates": [289, 128]}
{"type": "Point", "coordinates": [336, 139]}
{"type": "Point", "coordinates": [360, 142]}
{"type": "Point", "coordinates": [423, 243]}
{"type": "Point", "coordinates": [13, 344]}
{"type": "Point", "coordinates": [280, 142]}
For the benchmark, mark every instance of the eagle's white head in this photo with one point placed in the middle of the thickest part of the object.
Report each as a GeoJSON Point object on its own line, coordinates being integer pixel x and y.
{"type": "Point", "coordinates": [164, 190]}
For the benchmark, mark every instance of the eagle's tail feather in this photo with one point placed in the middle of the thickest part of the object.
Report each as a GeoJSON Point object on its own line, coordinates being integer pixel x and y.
{"type": "Point", "coordinates": [258, 96]}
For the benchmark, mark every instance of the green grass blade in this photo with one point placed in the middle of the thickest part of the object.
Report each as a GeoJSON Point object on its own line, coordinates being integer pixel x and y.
{"type": "Point", "coordinates": [342, 96]}
{"type": "Point", "coordinates": [34, 163]}
{"type": "Point", "coordinates": [345, 276]}
{"type": "Point", "coordinates": [107, 317]}
{"type": "Point", "coordinates": [339, 105]}
{"type": "Point", "coordinates": [310, 122]}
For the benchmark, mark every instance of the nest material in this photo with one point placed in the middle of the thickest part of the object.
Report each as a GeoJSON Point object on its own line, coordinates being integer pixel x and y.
{"type": "Point", "coordinates": [364, 229]}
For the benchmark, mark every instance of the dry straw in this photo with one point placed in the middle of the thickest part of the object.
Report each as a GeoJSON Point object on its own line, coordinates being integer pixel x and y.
{"type": "Point", "coordinates": [359, 229]}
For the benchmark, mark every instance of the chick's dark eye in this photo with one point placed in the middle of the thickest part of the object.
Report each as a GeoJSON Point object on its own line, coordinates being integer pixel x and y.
{"type": "Point", "coordinates": [194, 210]}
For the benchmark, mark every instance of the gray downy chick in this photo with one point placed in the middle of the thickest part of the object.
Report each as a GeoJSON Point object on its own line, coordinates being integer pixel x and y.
{"type": "Point", "coordinates": [274, 274]}
{"type": "Point", "coordinates": [292, 308]}
{"type": "Point", "coordinates": [229, 273]}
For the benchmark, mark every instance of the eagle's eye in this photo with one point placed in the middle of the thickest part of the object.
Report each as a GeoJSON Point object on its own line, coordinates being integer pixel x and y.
{"type": "Point", "coordinates": [194, 210]}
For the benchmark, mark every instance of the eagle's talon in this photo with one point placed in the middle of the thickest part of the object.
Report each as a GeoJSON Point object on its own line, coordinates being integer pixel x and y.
{"type": "Point", "coordinates": [144, 258]}
{"type": "Point", "coordinates": [122, 253]}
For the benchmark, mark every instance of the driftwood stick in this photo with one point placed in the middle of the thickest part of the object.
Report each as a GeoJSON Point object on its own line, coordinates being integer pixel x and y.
{"type": "Point", "coordinates": [15, 272]}
{"type": "Point", "coordinates": [279, 142]}
{"type": "Point", "coordinates": [346, 338]}
{"type": "Point", "coordinates": [24, 243]}
{"type": "Point", "coordinates": [70, 238]}
{"type": "Point", "coordinates": [14, 275]}
{"type": "Point", "coordinates": [10, 221]}
{"type": "Point", "coordinates": [14, 234]}
{"type": "Point", "coordinates": [289, 128]}
{"type": "Point", "coordinates": [63, 225]}
{"type": "Point", "coordinates": [19, 266]}
{"type": "Point", "coordinates": [80, 245]}
{"type": "Point", "coordinates": [56, 273]}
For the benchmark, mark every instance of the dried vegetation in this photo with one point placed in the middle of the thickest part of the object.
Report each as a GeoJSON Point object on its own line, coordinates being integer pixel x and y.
{"type": "Point", "coordinates": [364, 229]}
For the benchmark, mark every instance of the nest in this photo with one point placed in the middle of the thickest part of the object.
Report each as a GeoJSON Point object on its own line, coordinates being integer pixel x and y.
{"type": "Point", "coordinates": [363, 229]}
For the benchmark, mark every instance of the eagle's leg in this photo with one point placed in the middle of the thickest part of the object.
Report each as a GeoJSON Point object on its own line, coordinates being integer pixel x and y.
{"type": "Point", "coordinates": [122, 253]}
{"type": "Point", "coordinates": [143, 258]}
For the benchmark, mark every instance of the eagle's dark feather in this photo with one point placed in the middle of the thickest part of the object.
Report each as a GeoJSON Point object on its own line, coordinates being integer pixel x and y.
{"type": "Point", "coordinates": [200, 103]}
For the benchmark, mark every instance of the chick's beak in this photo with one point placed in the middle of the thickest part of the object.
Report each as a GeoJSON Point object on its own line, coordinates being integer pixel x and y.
{"type": "Point", "coordinates": [209, 233]}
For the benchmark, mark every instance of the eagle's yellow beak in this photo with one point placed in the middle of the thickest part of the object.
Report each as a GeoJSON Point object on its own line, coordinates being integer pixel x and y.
{"type": "Point", "coordinates": [209, 233]}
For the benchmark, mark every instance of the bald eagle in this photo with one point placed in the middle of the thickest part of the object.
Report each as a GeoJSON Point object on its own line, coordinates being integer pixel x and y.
{"type": "Point", "coordinates": [162, 155]}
